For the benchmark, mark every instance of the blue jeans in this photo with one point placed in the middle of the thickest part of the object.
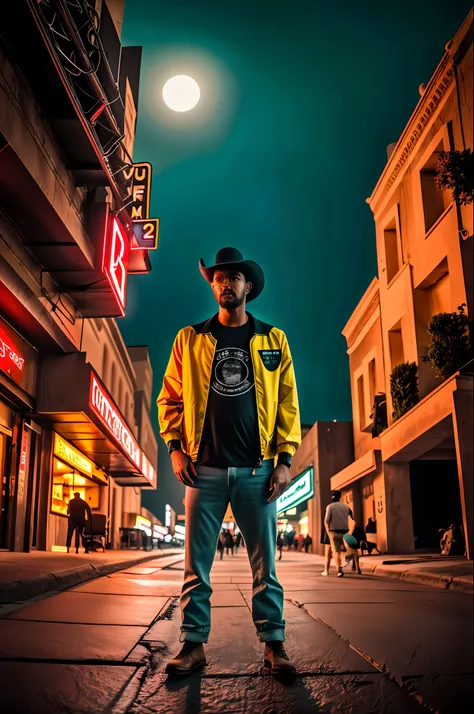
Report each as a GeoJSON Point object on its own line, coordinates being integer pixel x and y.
{"type": "Point", "coordinates": [247, 490]}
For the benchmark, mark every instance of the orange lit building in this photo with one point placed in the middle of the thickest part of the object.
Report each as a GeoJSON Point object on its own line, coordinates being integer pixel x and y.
{"type": "Point", "coordinates": [69, 387]}
{"type": "Point", "coordinates": [416, 475]}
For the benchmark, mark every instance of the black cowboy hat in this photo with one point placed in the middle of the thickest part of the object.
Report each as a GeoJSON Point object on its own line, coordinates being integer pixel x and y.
{"type": "Point", "coordinates": [228, 258]}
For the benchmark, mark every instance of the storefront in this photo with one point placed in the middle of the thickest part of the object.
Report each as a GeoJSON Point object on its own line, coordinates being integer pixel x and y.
{"type": "Point", "coordinates": [19, 441]}
{"type": "Point", "coordinates": [72, 472]}
{"type": "Point", "coordinates": [292, 505]}
{"type": "Point", "coordinates": [91, 448]}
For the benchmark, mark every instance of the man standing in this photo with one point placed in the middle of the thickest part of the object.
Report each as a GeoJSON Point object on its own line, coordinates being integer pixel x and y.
{"type": "Point", "coordinates": [228, 405]}
{"type": "Point", "coordinates": [336, 522]}
{"type": "Point", "coordinates": [78, 512]}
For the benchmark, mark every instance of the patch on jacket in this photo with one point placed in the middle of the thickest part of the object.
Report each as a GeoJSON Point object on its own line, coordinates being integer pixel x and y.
{"type": "Point", "coordinates": [270, 358]}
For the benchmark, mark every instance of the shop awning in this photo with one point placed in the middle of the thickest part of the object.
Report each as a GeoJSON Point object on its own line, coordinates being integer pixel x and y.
{"type": "Point", "coordinates": [359, 468]}
{"type": "Point", "coordinates": [75, 403]}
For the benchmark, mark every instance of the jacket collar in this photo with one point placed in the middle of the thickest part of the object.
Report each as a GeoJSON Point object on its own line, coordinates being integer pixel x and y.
{"type": "Point", "coordinates": [258, 326]}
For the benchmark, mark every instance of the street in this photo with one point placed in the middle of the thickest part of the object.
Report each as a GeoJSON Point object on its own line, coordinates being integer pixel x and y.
{"type": "Point", "coordinates": [361, 644]}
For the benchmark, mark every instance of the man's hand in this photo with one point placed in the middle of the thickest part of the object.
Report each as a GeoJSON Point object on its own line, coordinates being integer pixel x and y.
{"type": "Point", "coordinates": [183, 467]}
{"type": "Point", "coordinates": [281, 478]}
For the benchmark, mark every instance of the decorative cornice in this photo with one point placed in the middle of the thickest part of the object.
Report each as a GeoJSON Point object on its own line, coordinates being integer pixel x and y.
{"type": "Point", "coordinates": [414, 130]}
{"type": "Point", "coordinates": [363, 311]}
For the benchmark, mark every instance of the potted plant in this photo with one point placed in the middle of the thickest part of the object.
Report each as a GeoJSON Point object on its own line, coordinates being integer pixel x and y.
{"type": "Point", "coordinates": [404, 388]}
{"type": "Point", "coordinates": [455, 171]}
{"type": "Point", "coordinates": [450, 347]}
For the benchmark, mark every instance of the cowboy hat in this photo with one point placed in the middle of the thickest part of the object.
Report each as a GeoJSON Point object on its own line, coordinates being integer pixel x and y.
{"type": "Point", "coordinates": [228, 258]}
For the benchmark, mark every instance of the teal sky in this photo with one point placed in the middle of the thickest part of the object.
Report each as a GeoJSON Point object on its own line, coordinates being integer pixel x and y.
{"type": "Point", "coordinates": [299, 102]}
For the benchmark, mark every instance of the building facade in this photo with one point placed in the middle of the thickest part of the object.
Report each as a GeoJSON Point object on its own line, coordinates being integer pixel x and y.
{"type": "Point", "coordinates": [68, 384]}
{"type": "Point", "coordinates": [414, 474]}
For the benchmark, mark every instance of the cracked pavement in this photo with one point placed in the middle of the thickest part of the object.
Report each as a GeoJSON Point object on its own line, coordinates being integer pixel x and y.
{"type": "Point", "coordinates": [361, 644]}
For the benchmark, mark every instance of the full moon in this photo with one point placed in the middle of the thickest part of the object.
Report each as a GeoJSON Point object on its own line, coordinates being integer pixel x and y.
{"type": "Point", "coordinates": [181, 93]}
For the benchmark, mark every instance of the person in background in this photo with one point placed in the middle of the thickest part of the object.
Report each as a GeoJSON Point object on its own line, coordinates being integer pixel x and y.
{"type": "Point", "coordinates": [307, 542]}
{"type": "Point", "coordinates": [238, 540]}
{"type": "Point", "coordinates": [371, 528]}
{"type": "Point", "coordinates": [229, 543]}
{"type": "Point", "coordinates": [296, 541]}
{"type": "Point", "coordinates": [327, 550]}
{"type": "Point", "coordinates": [352, 545]}
{"type": "Point", "coordinates": [336, 522]}
{"type": "Point", "coordinates": [78, 514]}
{"type": "Point", "coordinates": [280, 544]}
{"type": "Point", "coordinates": [221, 544]}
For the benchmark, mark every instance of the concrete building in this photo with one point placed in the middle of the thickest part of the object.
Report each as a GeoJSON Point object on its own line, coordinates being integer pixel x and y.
{"type": "Point", "coordinates": [69, 388]}
{"type": "Point", "coordinates": [416, 475]}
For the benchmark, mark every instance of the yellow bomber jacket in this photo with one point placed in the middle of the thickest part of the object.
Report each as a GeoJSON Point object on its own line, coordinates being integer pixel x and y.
{"type": "Point", "coordinates": [182, 401]}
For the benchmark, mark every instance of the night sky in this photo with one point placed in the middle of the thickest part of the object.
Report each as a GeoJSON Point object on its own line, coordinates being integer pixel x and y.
{"type": "Point", "coordinates": [298, 104]}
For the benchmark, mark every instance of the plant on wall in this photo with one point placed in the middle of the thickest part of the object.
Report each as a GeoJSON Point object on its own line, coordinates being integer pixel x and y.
{"type": "Point", "coordinates": [404, 388]}
{"type": "Point", "coordinates": [450, 347]}
{"type": "Point", "coordinates": [455, 172]}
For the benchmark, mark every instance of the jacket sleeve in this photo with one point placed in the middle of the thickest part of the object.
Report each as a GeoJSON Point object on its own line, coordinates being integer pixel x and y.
{"type": "Point", "coordinates": [288, 413]}
{"type": "Point", "coordinates": [170, 400]}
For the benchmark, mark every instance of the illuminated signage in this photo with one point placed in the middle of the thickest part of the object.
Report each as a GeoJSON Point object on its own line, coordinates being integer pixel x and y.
{"type": "Point", "coordinates": [145, 229]}
{"type": "Point", "coordinates": [299, 490]}
{"type": "Point", "coordinates": [160, 531]}
{"type": "Point", "coordinates": [180, 530]}
{"type": "Point", "coordinates": [148, 471]}
{"type": "Point", "coordinates": [115, 260]}
{"type": "Point", "coordinates": [168, 515]}
{"type": "Point", "coordinates": [66, 452]}
{"type": "Point", "coordinates": [11, 361]}
{"type": "Point", "coordinates": [143, 524]}
{"type": "Point", "coordinates": [104, 408]}
{"type": "Point", "coordinates": [146, 233]}
{"type": "Point", "coordinates": [141, 191]}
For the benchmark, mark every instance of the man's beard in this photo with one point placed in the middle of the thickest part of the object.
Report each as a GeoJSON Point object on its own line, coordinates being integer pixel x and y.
{"type": "Point", "coordinates": [230, 302]}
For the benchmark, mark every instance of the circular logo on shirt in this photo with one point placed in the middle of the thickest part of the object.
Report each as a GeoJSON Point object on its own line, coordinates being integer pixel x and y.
{"type": "Point", "coordinates": [231, 372]}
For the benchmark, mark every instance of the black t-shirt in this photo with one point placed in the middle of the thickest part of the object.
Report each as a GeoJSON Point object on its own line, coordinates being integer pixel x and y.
{"type": "Point", "coordinates": [230, 435]}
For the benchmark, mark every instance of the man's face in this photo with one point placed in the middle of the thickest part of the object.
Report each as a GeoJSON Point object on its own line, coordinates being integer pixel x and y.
{"type": "Point", "coordinates": [230, 288]}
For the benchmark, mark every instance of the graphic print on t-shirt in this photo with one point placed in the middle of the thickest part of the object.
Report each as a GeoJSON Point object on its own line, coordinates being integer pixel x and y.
{"type": "Point", "coordinates": [231, 372]}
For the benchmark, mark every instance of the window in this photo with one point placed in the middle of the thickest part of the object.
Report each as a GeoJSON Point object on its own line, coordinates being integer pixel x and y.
{"type": "Point", "coordinates": [371, 372]}
{"type": "Point", "coordinates": [66, 481]}
{"type": "Point", "coordinates": [396, 346]}
{"type": "Point", "coordinates": [391, 241]}
{"type": "Point", "coordinates": [435, 201]}
{"type": "Point", "coordinates": [361, 400]}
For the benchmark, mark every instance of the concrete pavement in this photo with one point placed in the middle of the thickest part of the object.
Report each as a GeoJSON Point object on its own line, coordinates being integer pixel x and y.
{"type": "Point", "coordinates": [27, 575]}
{"type": "Point", "coordinates": [362, 645]}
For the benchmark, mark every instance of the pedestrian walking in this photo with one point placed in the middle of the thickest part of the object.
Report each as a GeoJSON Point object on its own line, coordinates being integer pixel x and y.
{"type": "Point", "coordinates": [307, 542]}
{"type": "Point", "coordinates": [227, 408]}
{"type": "Point", "coordinates": [336, 522]}
{"type": "Point", "coordinates": [79, 515]}
{"type": "Point", "coordinates": [327, 550]}
{"type": "Point", "coordinates": [221, 545]}
{"type": "Point", "coordinates": [280, 544]}
{"type": "Point", "coordinates": [229, 543]}
{"type": "Point", "coordinates": [238, 540]}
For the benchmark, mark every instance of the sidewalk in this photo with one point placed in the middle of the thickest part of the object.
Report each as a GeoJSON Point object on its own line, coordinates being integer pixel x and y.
{"type": "Point", "coordinates": [26, 575]}
{"type": "Point", "coordinates": [426, 569]}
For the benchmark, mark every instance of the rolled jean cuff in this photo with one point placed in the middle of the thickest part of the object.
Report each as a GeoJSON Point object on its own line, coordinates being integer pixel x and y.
{"type": "Point", "coordinates": [272, 635]}
{"type": "Point", "coordinates": [192, 636]}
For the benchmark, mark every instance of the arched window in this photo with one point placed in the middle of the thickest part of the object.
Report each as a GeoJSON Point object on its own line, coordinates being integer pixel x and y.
{"type": "Point", "coordinates": [120, 393]}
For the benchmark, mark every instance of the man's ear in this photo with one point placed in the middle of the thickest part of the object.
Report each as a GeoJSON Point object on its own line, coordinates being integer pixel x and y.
{"type": "Point", "coordinates": [248, 288]}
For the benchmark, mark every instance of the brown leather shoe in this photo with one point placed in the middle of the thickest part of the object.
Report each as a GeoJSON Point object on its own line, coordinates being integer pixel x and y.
{"type": "Point", "coordinates": [190, 658]}
{"type": "Point", "coordinates": [277, 660]}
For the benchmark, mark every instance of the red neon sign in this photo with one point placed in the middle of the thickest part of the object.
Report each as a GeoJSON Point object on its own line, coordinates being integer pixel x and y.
{"type": "Point", "coordinates": [102, 405]}
{"type": "Point", "coordinates": [11, 361]}
{"type": "Point", "coordinates": [115, 260]}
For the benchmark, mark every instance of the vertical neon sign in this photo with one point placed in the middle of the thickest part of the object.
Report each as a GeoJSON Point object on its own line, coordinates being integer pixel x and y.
{"type": "Point", "coordinates": [115, 260]}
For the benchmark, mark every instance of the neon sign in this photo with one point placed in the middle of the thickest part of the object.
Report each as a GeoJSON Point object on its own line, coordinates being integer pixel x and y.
{"type": "Point", "coordinates": [299, 490]}
{"type": "Point", "coordinates": [72, 456]}
{"type": "Point", "coordinates": [146, 233]}
{"type": "Point", "coordinates": [115, 260]}
{"type": "Point", "coordinates": [11, 361]}
{"type": "Point", "coordinates": [102, 405]}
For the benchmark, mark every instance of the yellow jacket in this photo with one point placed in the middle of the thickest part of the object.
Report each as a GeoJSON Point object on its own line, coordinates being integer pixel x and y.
{"type": "Point", "coordinates": [183, 398]}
